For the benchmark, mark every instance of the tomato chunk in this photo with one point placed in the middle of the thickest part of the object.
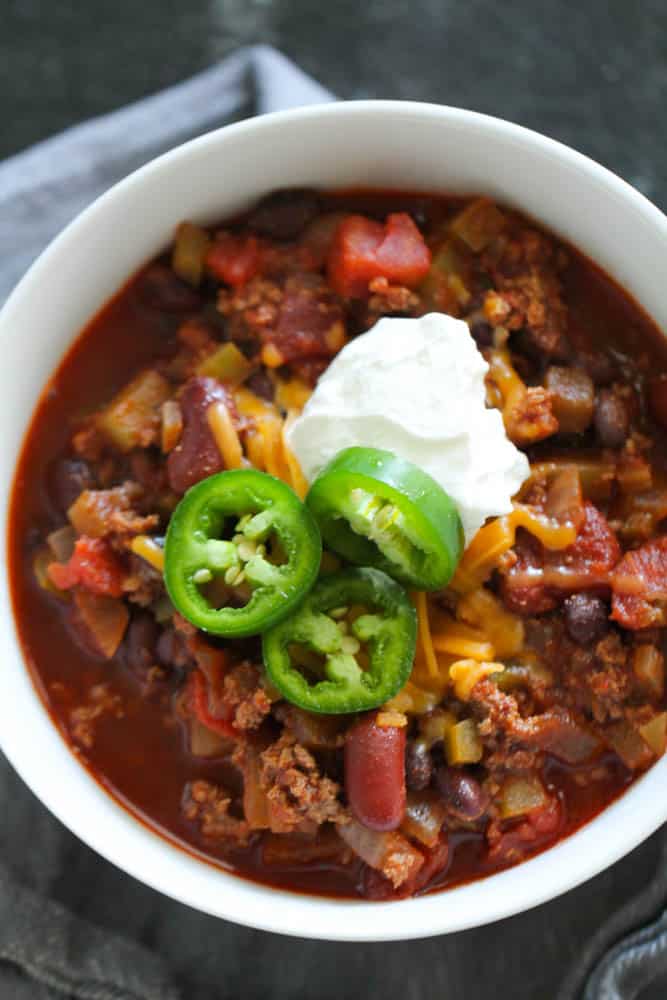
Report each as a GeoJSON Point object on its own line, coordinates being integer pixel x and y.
{"type": "Point", "coordinates": [93, 565]}
{"type": "Point", "coordinates": [363, 249]}
{"type": "Point", "coordinates": [200, 701]}
{"type": "Point", "coordinates": [234, 259]}
{"type": "Point", "coordinates": [541, 579]}
{"type": "Point", "coordinates": [639, 586]}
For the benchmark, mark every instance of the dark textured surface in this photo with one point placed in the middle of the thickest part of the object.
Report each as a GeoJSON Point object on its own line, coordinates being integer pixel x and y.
{"type": "Point", "coordinates": [593, 74]}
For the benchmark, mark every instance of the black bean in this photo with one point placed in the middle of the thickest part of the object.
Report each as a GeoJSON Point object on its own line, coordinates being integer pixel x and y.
{"type": "Point", "coordinates": [481, 332]}
{"type": "Point", "coordinates": [171, 650]}
{"type": "Point", "coordinates": [586, 618]}
{"type": "Point", "coordinates": [598, 365]}
{"type": "Point", "coordinates": [611, 419]}
{"type": "Point", "coordinates": [140, 643]}
{"type": "Point", "coordinates": [161, 289]}
{"type": "Point", "coordinates": [657, 399]}
{"type": "Point", "coordinates": [282, 215]}
{"type": "Point", "coordinates": [418, 766]}
{"type": "Point", "coordinates": [261, 384]}
{"type": "Point", "coordinates": [465, 797]}
{"type": "Point", "coordinates": [68, 478]}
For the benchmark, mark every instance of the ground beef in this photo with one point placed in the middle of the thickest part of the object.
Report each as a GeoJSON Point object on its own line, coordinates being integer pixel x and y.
{"type": "Point", "coordinates": [143, 584]}
{"type": "Point", "coordinates": [531, 418]}
{"type": "Point", "coordinates": [318, 732]}
{"type": "Point", "coordinates": [246, 700]}
{"type": "Point", "coordinates": [101, 701]}
{"type": "Point", "coordinates": [386, 299]}
{"type": "Point", "coordinates": [112, 512]}
{"type": "Point", "coordinates": [610, 679]}
{"type": "Point", "coordinates": [207, 805]}
{"type": "Point", "coordinates": [299, 796]}
{"type": "Point", "coordinates": [528, 292]}
{"type": "Point", "coordinates": [554, 731]}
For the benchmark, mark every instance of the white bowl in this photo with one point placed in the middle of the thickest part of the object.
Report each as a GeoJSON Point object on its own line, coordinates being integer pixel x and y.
{"type": "Point", "coordinates": [379, 144]}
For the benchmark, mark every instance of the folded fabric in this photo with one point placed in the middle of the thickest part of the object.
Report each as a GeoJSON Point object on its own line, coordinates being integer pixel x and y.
{"type": "Point", "coordinates": [43, 188]}
{"type": "Point", "coordinates": [46, 950]}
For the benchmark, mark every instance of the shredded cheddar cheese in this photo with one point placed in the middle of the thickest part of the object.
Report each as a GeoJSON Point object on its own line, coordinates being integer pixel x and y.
{"type": "Point", "coordinates": [505, 631]}
{"type": "Point", "coordinates": [148, 549]}
{"type": "Point", "coordinates": [497, 537]}
{"type": "Point", "coordinates": [224, 432]}
{"type": "Point", "coordinates": [389, 718]}
{"type": "Point", "coordinates": [508, 381]}
{"type": "Point", "coordinates": [424, 633]}
{"type": "Point", "coordinates": [463, 641]}
{"type": "Point", "coordinates": [464, 674]}
{"type": "Point", "coordinates": [292, 394]}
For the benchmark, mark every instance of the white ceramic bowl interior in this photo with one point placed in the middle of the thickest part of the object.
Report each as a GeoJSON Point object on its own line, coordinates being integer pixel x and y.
{"type": "Point", "coordinates": [379, 144]}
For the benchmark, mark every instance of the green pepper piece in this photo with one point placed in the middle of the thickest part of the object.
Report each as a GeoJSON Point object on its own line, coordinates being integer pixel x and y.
{"type": "Point", "coordinates": [376, 509]}
{"type": "Point", "coordinates": [389, 631]}
{"type": "Point", "coordinates": [261, 506]}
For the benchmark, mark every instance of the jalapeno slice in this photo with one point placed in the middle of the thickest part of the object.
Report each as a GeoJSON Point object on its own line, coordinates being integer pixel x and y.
{"type": "Point", "coordinates": [348, 647]}
{"type": "Point", "coordinates": [377, 509]}
{"type": "Point", "coordinates": [234, 531]}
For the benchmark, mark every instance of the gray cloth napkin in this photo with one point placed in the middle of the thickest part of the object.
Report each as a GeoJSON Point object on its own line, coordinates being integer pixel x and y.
{"type": "Point", "coordinates": [46, 950]}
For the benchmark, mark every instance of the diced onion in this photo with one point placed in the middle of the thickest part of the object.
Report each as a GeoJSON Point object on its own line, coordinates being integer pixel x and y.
{"type": "Point", "coordinates": [520, 795]}
{"type": "Point", "coordinates": [425, 814]}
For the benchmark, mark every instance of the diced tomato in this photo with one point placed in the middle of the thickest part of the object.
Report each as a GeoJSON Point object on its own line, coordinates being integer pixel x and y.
{"type": "Point", "coordinates": [93, 565]}
{"type": "Point", "coordinates": [536, 830]}
{"type": "Point", "coordinates": [363, 250]}
{"type": "Point", "coordinates": [639, 586]}
{"type": "Point", "coordinates": [234, 259]}
{"type": "Point", "coordinates": [199, 699]}
{"type": "Point", "coordinates": [540, 579]}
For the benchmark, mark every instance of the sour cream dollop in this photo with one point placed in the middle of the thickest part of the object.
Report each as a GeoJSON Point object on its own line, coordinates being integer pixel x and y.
{"type": "Point", "coordinates": [416, 387]}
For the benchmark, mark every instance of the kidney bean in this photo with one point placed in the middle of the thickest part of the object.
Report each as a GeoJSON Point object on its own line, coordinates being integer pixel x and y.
{"type": "Point", "coordinates": [611, 419]}
{"type": "Point", "coordinates": [282, 215]}
{"type": "Point", "coordinates": [418, 766]}
{"type": "Point", "coordinates": [657, 398]}
{"type": "Point", "coordinates": [586, 618]}
{"type": "Point", "coordinates": [67, 479]}
{"type": "Point", "coordinates": [375, 773]}
{"type": "Point", "coordinates": [161, 289]}
{"type": "Point", "coordinates": [465, 797]}
{"type": "Point", "coordinates": [196, 455]}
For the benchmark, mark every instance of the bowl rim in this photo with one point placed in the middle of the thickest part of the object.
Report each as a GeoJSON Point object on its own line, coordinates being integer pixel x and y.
{"type": "Point", "coordinates": [143, 852]}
